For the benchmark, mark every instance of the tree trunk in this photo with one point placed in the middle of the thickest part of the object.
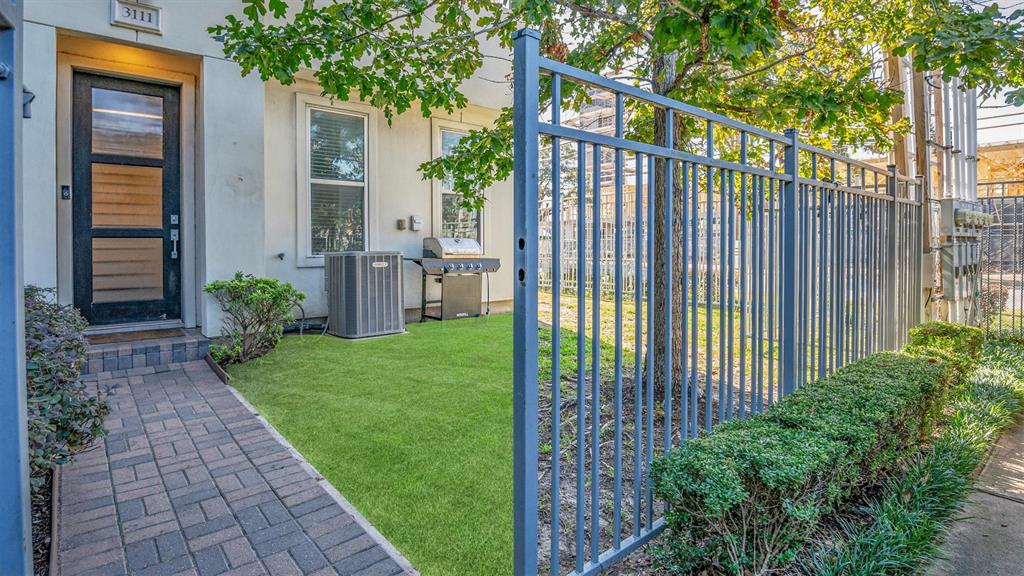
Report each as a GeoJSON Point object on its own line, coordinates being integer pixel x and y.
{"type": "Point", "coordinates": [664, 74]}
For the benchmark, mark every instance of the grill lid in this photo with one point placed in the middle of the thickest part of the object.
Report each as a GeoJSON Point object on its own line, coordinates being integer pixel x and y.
{"type": "Point", "coordinates": [451, 247]}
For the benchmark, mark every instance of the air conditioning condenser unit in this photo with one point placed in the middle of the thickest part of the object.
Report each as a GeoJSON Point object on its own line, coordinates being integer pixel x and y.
{"type": "Point", "coordinates": [364, 293]}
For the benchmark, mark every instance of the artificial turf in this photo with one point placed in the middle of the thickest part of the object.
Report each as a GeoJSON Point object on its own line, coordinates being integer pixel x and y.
{"type": "Point", "coordinates": [414, 429]}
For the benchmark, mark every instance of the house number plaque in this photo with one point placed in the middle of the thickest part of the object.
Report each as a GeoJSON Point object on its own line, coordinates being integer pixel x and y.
{"type": "Point", "coordinates": [137, 16]}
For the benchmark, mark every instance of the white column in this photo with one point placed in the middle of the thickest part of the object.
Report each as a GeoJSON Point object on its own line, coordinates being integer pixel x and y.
{"type": "Point", "coordinates": [39, 163]}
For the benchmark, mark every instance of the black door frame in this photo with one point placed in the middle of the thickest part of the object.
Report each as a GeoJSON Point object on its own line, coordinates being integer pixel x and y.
{"type": "Point", "coordinates": [169, 307]}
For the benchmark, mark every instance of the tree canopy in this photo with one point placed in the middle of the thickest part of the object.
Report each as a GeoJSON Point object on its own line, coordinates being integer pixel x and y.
{"type": "Point", "coordinates": [816, 65]}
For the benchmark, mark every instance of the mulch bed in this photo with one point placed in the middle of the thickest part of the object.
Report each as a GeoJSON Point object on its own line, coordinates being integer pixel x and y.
{"type": "Point", "coordinates": [639, 562]}
{"type": "Point", "coordinates": [42, 515]}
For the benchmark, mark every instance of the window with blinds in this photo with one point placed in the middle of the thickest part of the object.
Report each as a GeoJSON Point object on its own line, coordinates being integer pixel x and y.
{"type": "Point", "coordinates": [456, 221]}
{"type": "Point", "coordinates": [337, 181]}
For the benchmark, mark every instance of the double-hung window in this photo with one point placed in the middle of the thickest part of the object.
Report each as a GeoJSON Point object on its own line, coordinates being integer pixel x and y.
{"type": "Point", "coordinates": [336, 192]}
{"type": "Point", "coordinates": [456, 221]}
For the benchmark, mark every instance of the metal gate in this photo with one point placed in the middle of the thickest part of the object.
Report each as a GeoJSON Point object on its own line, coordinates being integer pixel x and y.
{"type": "Point", "coordinates": [1000, 300]}
{"type": "Point", "coordinates": [797, 261]}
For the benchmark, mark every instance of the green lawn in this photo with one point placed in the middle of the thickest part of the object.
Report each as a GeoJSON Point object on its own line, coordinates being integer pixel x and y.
{"type": "Point", "coordinates": [415, 430]}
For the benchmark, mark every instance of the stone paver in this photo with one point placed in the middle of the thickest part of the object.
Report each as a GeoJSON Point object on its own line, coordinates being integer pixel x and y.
{"type": "Point", "coordinates": [988, 538]}
{"type": "Point", "coordinates": [189, 481]}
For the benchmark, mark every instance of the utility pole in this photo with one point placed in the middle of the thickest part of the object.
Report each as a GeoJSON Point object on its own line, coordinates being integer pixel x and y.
{"type": "Point", "coordinates": [900, 152]}
{"type": "Point", "coordinates": [923, 166]}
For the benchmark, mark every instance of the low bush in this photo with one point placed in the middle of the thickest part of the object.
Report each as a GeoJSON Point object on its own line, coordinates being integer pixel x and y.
{"type": "Point", "coordinates": [62, 416]}
{"type": "Point", "coordinates": [901, 528]}
{"type": "Point", "coordinates": [991, 303]}
{"type": "Point", "coordinates": [256, 312]}
{"type": "Point", "coordinates": [746, 497]}
{"type": "Point", "coordinates": [949, 338]}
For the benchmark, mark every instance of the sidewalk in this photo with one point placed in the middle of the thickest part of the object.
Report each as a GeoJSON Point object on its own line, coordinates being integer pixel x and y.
{"type": "Point", "coordinates": [988, 537]}
{"type": "Point", "coordinates": [189, 481]}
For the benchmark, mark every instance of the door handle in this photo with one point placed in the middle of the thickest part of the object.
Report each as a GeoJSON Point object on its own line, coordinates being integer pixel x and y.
{"type": "Point", "coordinates": [174, 243]}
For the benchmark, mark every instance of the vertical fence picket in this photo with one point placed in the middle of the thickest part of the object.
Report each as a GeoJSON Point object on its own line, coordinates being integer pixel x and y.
{"type": "Point", "coordinates": [581, 359]}
{"type": "Point", "coordinates": [692, 169]}
{"type": "Point", "coordinates": [556, 320]}
{"type": "Point", "coordinates": [595, 361]}
{"type": "Point", "coordinates": [709, 228]}
{"type": "Point", "coordinates": [744, 271]}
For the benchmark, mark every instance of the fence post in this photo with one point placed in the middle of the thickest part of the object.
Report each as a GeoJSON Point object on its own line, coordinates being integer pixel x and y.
{"type": "Point", "coordinates": [788, 344]}
{"type": "Point", "coordinates": [892, 329]}
{"type": "Point", "coordinates": [524, 371]}
{"type": "Point", "coordinates": [15, 513]}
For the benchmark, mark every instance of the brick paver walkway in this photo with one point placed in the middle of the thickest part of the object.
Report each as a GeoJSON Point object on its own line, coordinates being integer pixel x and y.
{"type": "Point", "coordinates": [189, 481]}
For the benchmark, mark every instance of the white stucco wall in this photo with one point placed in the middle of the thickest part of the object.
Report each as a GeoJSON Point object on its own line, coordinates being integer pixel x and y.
{"type": "Point", "coordinates": [230, 191]}
{"type": "Point", "coordinates": [397, 191]}
{"type": "Point", "coordinates": [39, 159]}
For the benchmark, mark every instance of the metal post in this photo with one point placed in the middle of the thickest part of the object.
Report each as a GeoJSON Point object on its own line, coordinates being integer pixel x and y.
{"type": "Point", "coordinates": [15, 527]}
{"type": "Point", "coordinates": [526, 105]}
{"type": "Point", "coordinates": [889, 321]}
{"type": "Point", "coordinates": [788, 257]}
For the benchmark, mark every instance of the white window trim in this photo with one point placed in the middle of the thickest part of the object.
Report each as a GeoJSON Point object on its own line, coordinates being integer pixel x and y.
{"type": "Point", "coordinates": [304, 103]}
{"type": "Point", "coordinates": [437, 125]}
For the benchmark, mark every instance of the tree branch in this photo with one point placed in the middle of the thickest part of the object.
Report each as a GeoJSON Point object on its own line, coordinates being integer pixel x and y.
{"type": "Point", "coordinates": [768, 66]}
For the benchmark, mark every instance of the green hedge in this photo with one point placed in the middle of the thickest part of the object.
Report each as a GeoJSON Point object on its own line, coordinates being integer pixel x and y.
{"type": "Point", "coordinates": [965, 341]}
{"type": "Point", "coordinates": [745, 497]}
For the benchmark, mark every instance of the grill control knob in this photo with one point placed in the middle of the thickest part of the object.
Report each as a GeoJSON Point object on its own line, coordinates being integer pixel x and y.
{"type": "Point", "coordinates": [462, 266]}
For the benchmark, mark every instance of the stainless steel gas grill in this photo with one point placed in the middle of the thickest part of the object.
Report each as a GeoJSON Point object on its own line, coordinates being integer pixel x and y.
{"type": "Point", "coordinates": [458, 266]}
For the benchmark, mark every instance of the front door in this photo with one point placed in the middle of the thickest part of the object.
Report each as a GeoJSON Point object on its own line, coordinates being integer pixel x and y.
{"type": "Point", "coordinates": [126, 197]}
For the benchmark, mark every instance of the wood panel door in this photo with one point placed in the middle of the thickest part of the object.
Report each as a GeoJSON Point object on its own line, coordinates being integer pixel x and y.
{"type": "Point", "coordinates": [126, 200]}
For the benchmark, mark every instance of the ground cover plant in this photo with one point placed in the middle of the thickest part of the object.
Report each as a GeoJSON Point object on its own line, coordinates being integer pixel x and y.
{"type": "Point", "coordinates": [63, 416]}
{"type": "Point", "coordinates": [747, 497]}
{"type": "Point", "coordinates": [902, 527]}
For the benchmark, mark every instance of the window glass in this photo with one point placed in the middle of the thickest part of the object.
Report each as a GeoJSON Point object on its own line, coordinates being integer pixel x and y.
{"type": "Point", "coordinates": [337, 146]}
{"type": "Point", "coordinates": [127, 124]}
{"type": "Point", "coordinates": [336, 218]}
{"type": "Point", "coordinates": [337, 182]}
{"type": "Point", "coordinates": [456, 221]}
{"type": "Point", "coordinates": [126, 196]}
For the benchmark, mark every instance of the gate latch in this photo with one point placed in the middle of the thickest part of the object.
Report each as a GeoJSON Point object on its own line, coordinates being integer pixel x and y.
{"type": "Point", "coordinates": [174, 243]}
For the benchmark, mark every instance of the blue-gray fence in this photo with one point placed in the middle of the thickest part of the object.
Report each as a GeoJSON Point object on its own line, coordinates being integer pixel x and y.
{"type": "Point", "coordinates": [815, 258]}
{"type": "Point", "coordinates": [1001, 283]}
{"type": "Point", "coordinates": [15, 512]}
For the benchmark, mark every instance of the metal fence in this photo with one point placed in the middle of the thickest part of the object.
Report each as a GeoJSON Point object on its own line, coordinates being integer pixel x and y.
{"type": "Point", "coordinates": [1001, 188]}
{"type": "Point", "coordinates": [1001, 285]}
{"type": "Point", "coordinates": [813, 259]}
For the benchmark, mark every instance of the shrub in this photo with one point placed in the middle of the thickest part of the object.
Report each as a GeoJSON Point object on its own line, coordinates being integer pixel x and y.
{"type": "Point", "coordinates": [257, 309]}
{"type": "Point", "coordinates": [746, 497]}
{"type": "Point", "coordinates": [952, 338]}
{"type": "Point", "coordinates": [62, 416]}
{"type": "Point", "coordinates": [991, 302]}
{"type": "Point", "coordinates": [748, 479]}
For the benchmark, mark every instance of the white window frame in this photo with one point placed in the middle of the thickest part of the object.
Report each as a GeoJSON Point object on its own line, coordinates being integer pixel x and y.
{"type": "Point", "coordinates": [304, 105]}
{"type": "Point", "coordinates": [439, 125]}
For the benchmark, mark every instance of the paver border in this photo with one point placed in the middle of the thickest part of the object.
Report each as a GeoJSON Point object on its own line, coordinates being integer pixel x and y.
{"type": "Point", "coordinates": [338, 497]}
